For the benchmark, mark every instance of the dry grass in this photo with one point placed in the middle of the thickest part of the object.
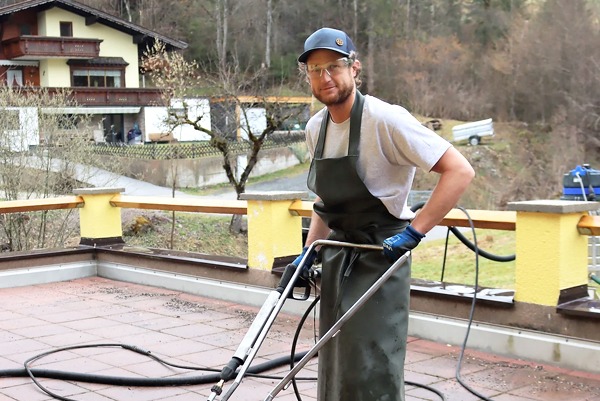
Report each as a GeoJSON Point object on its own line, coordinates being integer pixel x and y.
{"type": "Point", "coordinates": [193, 232]}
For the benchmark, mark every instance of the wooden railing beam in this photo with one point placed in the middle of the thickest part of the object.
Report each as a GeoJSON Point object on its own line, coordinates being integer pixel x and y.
{"type": "Point", "coordinates": [218, 206]}
{"type": "Point", "coordinates": [489, 219]}
{"type": "Point", "coordinates": [589, 225]}
{"type": "Point", "coordinates": [36, 205]}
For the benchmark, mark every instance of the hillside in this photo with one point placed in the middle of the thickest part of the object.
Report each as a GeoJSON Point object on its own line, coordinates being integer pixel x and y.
{"type": "Point", "coordinates": [518, 163]}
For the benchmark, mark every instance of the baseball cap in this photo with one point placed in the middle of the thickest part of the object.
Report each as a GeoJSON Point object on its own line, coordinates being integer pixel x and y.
{"type": "Point", "coordinates": [327, 38]}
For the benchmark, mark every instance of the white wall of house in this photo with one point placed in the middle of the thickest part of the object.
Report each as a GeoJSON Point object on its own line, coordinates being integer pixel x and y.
{"type": "Point", "coordinates": [54, 73]}
{"type": "Point", "coordinates": [20, 138]}
{"type": "Point", "coordinates": [256, 119]}
{"type": "Point", "coordinates": [114, 44]}
{"type": "Point", "coordinates": [156, 121]}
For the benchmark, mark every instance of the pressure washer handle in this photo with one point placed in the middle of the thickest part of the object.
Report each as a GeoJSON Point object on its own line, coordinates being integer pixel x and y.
{"type": "Point", "coordinates": [301, 282]}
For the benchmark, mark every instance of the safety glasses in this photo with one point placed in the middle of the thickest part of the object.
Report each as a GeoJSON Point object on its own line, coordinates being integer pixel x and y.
{"type": "Point", "coordinates": [315, 71]}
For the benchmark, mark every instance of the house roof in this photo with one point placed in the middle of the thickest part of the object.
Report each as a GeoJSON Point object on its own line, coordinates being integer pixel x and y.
{"type": "Point", "coordinates": [140, 34]}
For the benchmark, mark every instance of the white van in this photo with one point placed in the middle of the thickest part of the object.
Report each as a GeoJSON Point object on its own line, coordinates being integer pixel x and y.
{"type": "Point", "coordinates": [474, 131]}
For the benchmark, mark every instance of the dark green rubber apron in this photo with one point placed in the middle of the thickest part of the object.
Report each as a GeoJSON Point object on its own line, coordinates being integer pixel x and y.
{"type": "Point", "coordinates": [365, 361]}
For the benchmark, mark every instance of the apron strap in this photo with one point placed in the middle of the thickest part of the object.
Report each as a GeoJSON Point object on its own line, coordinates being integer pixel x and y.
{"type": "Point", "coordinates": [355, 124]}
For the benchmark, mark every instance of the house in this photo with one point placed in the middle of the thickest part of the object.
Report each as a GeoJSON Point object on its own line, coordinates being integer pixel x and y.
{"type": "Point", "coordinates": [65, 44]}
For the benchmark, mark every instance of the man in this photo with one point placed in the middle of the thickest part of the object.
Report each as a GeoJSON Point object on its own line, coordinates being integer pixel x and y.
{"type": "Point", "coordinates": [364, 156]}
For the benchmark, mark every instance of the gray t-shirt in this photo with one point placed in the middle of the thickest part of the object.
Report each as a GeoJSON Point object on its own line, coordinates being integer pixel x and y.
{"type": "Point", "coordinates": [393, 144]}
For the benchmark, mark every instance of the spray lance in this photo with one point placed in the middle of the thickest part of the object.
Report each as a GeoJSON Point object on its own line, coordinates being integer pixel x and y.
{"type": "Point", "coordinates": [243, 356]}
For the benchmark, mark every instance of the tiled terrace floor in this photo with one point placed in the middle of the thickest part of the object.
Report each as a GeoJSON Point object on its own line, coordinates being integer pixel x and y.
{"type": "Point", "coordinates": [195, 331]}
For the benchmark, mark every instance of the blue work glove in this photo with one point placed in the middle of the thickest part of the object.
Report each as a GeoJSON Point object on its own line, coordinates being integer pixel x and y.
{"type": "Point", "coordinates": [399, 244]}
{"type": "Point", "coordinates": [304, 274]}
{"type": "Point", "coordinates": [310, 259]}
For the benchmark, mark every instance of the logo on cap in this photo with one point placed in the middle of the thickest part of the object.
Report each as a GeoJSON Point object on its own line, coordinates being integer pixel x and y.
{"type": "Point", "coordinates": [339, 42]}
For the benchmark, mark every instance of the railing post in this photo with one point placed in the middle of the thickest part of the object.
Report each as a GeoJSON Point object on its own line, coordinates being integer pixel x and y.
{"type": "Point", "coordinates": [100, 223]}
{"type": "Point", "coordinates": [272, 230]}
{"type": "Point", "coordinates": [551, 255]}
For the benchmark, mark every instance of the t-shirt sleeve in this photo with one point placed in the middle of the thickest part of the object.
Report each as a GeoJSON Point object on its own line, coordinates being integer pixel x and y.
{"type": "Point", "coordinates": [405, 141]}
{"type": "Point", "coordinates": [312, 132]}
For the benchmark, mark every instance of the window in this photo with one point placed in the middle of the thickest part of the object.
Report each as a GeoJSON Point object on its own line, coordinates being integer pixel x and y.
{"type": "Point", "coordinates": [98, 78]}
{"type": "Point", "coordinates": [66, 29]}
{"type": "Point", "coordinates": [14, 77]}
{"type": "Point", "coordinates": [101, 72]}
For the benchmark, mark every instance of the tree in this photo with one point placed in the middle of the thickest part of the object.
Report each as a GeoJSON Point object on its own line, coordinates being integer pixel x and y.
{"type": "Point", "coordinates": [556, 72]}
{"type": "Point", "coordinates": [182, 79]}
{"type": "Point", "coordinates": [43, 153]}
{"type": "Point", "coordinates": [222, 18]}
{"type": "Point", "coordinates": [161, 16]}
{"type": "Point", "coordinates": [269, 33]}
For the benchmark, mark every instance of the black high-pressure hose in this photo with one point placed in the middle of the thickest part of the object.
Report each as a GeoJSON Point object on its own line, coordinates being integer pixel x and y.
{"type": "Point", "coordinates": [468, 243]}
{"type": "Point", "coordinates": [471, 315]}
{"type": "Point", "coordinates": [481, 252]}
{"type": "Point", "coordinates": [310, 308]}
{"type": "Point", "coordinates": [34, 373]}
{"type": "Point", "coordinates": [473, 246]}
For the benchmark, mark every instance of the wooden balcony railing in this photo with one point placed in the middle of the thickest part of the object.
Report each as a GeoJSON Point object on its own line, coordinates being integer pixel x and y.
{"type": "Point", "coordinates": [39, 47]}
{"type": "Point", "coordinates": [117, 96]}
{"type": "Point", "coordinates": [550, 247]}
{"type": "Point", "coordinates": [109, 96]}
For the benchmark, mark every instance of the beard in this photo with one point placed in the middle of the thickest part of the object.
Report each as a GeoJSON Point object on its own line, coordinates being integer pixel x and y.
{"type": "Point", "coordinates": [342, 95]}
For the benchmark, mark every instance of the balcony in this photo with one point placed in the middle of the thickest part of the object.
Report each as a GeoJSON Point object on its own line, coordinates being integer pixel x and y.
{"type": "Point", "coordinates": [109, 96]}
{"type": "Point", "coordinates": [117, 96]}
{"type": "Point", "coordinates": [29, 47]}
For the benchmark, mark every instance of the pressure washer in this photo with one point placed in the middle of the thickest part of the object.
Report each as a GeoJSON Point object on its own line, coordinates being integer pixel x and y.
{"type": "Point", "coordinates": [581, 184]}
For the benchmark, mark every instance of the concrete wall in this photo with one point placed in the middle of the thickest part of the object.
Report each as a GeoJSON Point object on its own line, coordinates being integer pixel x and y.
{"type": "Point", "coordinates": [206, 171]}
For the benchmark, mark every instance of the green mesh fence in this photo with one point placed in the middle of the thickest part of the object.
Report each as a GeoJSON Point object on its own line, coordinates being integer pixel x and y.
{"type": "Point", "coordinates": [191, 150]}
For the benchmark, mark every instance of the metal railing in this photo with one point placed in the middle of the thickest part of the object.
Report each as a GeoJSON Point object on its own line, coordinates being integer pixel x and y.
{"type": "Point", "coordinates": [594, 250]}
{"type": "Point", "coordinates": [169, 151]}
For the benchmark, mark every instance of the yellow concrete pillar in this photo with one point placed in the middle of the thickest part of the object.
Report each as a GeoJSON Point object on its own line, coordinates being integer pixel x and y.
{"type": "Point", "coordinates": [551, 255]}
{"type": "Point", "coordinates": [273, 232]}
{"type": "Point", "coordinates": [99, 221]}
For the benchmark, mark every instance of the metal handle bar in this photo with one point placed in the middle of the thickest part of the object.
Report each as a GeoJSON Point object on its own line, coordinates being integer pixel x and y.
{"type": "Point", "coordinates": [344, 244]}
